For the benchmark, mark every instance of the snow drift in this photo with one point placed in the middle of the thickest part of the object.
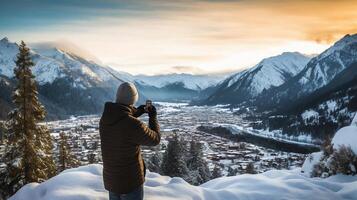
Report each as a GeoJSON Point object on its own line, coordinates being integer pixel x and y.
{"type": "Point", "coordinates": [85, 183]}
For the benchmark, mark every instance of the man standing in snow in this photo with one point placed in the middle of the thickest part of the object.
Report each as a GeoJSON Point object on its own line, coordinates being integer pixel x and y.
{"type": "Point", "coordinates": [121, 135]}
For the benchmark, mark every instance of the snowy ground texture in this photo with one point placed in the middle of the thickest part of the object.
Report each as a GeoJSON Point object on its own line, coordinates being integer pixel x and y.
{"type": "Point", "coordinates": [85, 183]}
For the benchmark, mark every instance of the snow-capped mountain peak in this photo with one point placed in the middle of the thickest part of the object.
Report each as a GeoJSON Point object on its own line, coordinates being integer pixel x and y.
{"type": "Point", "coordinates": [332, 68]}
{"type": "Point", "coordinates": [272, 71]}
{"type": "Point", "coordinates": [341, 44]}
{"type": "Point", "coordinates": [323, 68]}
{"type": "Point", "coordinates": [8, 52]}
{"type": "Point", "coordinates": [52, 63]}
{"type": "Point", "coordinates": [84, 85]}
{"type": "Point", "coordinates": [4, 40]}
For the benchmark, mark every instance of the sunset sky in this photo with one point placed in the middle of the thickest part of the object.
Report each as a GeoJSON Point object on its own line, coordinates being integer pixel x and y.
{"type": "Point", "coordinates": [182, 36]}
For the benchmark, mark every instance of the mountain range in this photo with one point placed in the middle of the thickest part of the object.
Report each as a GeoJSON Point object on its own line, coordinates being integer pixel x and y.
{"type": "Point", "coordinates": [295, 93]}
{"type": "Point", "coordinates": [332, 68]}
{"type": "Point", "coordinates": [69, 84]}
{"type": "Point", "coordinates": [287, 84]}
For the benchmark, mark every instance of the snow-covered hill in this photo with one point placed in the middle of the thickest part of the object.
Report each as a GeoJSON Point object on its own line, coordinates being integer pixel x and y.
{"type": "Point", "coordinates": [272, 71]}
{"type": "Point", "coordinates": [193, 82]}
{"type": "Point", "coordinates": [86, 183]}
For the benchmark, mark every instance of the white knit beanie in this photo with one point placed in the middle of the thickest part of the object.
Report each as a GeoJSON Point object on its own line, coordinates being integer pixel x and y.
{"type": "Point", "coordinates": [127, 94]}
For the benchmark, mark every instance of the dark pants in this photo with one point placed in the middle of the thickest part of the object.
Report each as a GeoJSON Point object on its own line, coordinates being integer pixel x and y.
{"type": "Point", "coordinates": [137, 194]}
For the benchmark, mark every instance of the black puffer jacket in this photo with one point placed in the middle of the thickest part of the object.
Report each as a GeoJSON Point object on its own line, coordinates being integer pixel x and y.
{"type": "Point", "coordinates": [121, 135]}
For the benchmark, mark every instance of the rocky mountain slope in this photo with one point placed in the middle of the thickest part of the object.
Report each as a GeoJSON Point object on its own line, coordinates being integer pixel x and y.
{"type": "Point", "coordinates": [333, 64]}
{"type": "Point", "coordinates": [250, 83]}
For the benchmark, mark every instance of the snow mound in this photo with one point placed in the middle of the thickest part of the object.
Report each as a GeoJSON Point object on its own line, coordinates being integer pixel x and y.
{"type": "Point", "coordinates": [85, 183]}
{"type": "Point", "coordinates": [347, 136]}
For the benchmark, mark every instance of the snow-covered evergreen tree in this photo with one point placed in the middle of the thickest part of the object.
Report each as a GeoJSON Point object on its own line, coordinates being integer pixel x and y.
{"type": "Point", "coordinates": [250, 169]}
{"type": "Point", "coordinates": [217, 172]}
{"type": "Point", "coordinates": [199, 171]}
{"type": "Point", "coordinates": [231, 171]}
{"type": "Point", "coordinates": [28, 145]}
{"type": "Point", "coordinates": [92, 158]}
{"type": "Point", "coordinates": [66, 159]}
{"type": "Point", "coordinates": [173, 163]}
{"type": "Point", "coordinates": [153, 163]}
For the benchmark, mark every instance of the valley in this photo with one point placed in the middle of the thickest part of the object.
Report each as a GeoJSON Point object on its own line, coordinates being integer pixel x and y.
{"type": "Point", "coordinates": [231, 156]}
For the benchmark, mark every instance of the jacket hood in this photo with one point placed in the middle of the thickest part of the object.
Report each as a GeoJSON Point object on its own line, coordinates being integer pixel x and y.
{"type": "Point", "coordinates": [114, 112]}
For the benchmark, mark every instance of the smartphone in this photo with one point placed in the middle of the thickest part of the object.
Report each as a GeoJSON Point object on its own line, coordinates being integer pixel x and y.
{"type": "Point", "coordinates": [148, 105]}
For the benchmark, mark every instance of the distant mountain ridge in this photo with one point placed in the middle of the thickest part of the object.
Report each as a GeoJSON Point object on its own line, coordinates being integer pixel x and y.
{"type": "Point", "coordinates": [250, 83]}
{"type": "Point", "coordinates": [72, 85]}
{"type": "Point", "coordinates": [189, 81]}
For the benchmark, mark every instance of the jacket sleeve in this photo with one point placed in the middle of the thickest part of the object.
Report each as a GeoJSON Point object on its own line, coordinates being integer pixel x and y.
{"type": "Point", "coordinates": [144, 135]}
{"type": "Point", "coordinates": [137, 112]}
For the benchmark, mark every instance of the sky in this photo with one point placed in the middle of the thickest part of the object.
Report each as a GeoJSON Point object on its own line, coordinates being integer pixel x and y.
{"type": "Point", "coordinates": [181, 36]}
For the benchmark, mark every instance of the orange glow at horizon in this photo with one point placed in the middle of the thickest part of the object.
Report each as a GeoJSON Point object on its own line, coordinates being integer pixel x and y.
{"type": "Point", "coordinates": [207, 36]}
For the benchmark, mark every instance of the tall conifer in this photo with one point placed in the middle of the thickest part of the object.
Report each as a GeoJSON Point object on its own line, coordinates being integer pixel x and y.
{"type": "Point", "coordinates": [199, 171]}
{"type": "Point", "coordinates": [28, 145]}
{"type": "Point", "coordinates": [173, 163]}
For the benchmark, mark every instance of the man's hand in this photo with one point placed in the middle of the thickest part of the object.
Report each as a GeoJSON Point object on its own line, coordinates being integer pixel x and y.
{"type": "Point", "coordinates": [139, 111]}
{"type": "Point", "coordinates": [152, 111]}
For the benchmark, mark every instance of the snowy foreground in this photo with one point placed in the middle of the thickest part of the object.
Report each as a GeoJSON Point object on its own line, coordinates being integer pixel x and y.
{"type": "Point", "coordinates": [85, 183]}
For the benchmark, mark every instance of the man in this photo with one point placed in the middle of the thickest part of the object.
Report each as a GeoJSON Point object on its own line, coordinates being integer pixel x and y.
{"type": "Point", "coordinates": [121, 135]}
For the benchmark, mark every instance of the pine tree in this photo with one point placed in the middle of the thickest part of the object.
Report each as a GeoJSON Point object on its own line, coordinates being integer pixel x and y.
{"type": "Point", "coordinates": [231, 171]}
{"type": "Point", "coordinates": [250, 169]}
{"type": "Point", "coordinates": [28, 145]}
{"type": "Point", "coordinates": [199, 171]}
{"type": "Point", "coordinates": [92, 158]}
{"type": "Point", "coordinates": [66, 158]}
{"type": "Point", "coordinates": [173, 163]}
{"type": "Point", "coordinates": [153, 163]}
{"type": "Point", "coordinates": [217, 172]}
